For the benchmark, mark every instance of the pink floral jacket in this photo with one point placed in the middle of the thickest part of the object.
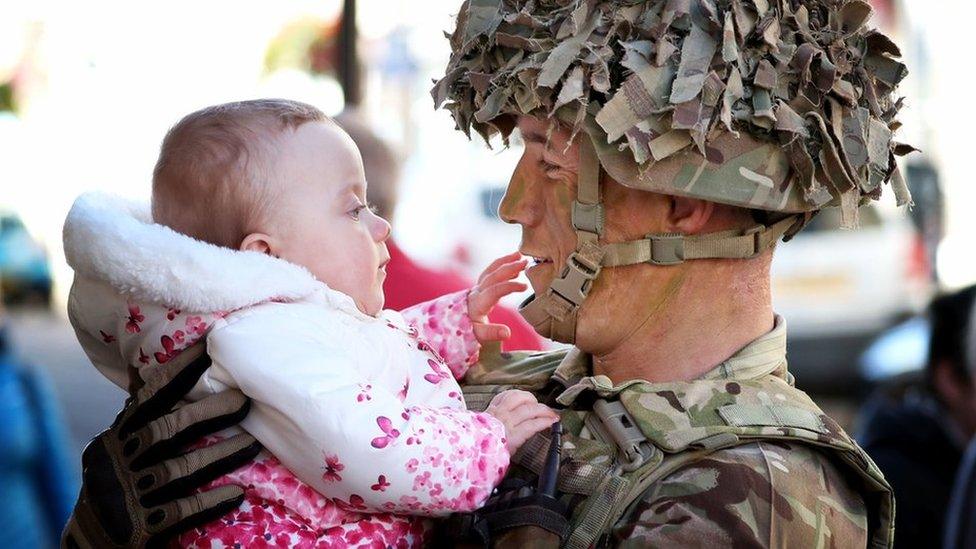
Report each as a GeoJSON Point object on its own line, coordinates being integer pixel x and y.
{"type": "Point", "coordinates": [362, 417]}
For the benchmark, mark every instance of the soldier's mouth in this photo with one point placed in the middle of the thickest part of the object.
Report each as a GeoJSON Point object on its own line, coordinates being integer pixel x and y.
{"type": "Point", "coordinates": [540, 260]}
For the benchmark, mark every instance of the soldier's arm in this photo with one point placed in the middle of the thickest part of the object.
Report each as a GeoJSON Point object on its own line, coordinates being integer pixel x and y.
{"type": "Point", "coordinates": [757, 495]}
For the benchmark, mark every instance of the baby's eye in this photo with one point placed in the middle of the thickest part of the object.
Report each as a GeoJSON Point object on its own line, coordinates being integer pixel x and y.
{"type": "Point", "coordinates": [355, 212]}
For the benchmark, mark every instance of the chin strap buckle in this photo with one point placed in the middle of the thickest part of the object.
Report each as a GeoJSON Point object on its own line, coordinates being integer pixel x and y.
{"type": "Point", "coordinates": [573, 285]}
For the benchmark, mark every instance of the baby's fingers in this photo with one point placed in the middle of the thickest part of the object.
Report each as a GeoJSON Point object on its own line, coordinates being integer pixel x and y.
{"type": "Point", "coordinates": [524, 431]}
{"type": "Point", "coordinates": [482, 300]}
{"type": "Point", "coordinates": [530, 411]}
{"type": "Point", "coordinates": [511, 399]}
{"type": "Point", "coordinates": [504, 272]}
{"type": "Point", "coordinates": [491, 332]}
{"type": "Point", "coordinates": [512, 257]}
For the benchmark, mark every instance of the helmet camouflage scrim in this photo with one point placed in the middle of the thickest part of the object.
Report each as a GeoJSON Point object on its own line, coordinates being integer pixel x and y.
{"type": "Point", "coordinates": [784, 106]}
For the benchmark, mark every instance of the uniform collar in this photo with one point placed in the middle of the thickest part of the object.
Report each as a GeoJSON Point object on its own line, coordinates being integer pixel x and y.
{"type": "Point", "coordinates": [766, 355]}
{"type": "Point", "coordinates": [763, 356]}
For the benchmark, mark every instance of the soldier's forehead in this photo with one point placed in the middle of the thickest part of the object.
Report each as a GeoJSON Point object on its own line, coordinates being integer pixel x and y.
{"type": "Point", "coordinates": [532, 129]}
{"type": "Point", "coordinates": [536, 130]}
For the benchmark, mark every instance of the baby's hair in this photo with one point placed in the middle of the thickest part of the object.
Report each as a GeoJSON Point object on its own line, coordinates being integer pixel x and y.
{"type": "Point", "coordinates": [211, 180]}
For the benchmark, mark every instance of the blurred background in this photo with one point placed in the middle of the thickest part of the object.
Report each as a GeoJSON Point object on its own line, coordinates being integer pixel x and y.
{"type": "Point", "coordinates": [88, 89]}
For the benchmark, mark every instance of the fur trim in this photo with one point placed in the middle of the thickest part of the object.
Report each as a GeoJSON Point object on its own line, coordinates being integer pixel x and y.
{"type": "Point", "coordinates": [113, 239]}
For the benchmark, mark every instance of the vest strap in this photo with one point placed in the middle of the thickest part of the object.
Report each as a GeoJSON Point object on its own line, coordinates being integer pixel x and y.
{"type": "Point", "coordinates": [598, 513]}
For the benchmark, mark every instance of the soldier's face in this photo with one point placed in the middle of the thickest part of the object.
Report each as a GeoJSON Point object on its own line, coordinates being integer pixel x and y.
{"type": "Point", "coordinates": [540, 198]}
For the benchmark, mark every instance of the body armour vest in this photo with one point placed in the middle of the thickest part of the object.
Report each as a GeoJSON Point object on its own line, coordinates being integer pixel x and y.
{"type": "Point", "coordinates": [639, 432]}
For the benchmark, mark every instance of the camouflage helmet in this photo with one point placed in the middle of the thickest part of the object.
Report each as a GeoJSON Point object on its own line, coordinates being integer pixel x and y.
{"type": "Point", "coordinates": [783, 106]}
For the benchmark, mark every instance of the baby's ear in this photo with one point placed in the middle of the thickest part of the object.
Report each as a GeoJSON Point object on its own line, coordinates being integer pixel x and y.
{"type": "Point", "coordinates": [257, 242]}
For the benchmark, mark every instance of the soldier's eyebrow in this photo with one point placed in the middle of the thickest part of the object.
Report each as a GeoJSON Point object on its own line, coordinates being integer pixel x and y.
{"type": "Point", "coordinates": [532, 136]}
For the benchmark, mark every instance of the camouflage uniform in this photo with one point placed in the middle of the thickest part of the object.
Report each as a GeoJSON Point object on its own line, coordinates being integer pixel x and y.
{"type": "Point", "coordinates": [763, 493]}
{"type": "Point", "coordinates": [757, 495]}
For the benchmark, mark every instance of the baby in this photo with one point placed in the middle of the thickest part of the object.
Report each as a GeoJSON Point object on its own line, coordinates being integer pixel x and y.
{"type": "Point", "coordinates": [260, 239]}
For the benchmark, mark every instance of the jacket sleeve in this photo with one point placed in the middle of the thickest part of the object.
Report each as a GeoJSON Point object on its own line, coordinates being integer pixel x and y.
{"type": "Point", "coordinates": [445, 326]}
{"type": "Point", "coordinates": [756, 495]}
{"type": "Point", "coordinates": [346, 436]}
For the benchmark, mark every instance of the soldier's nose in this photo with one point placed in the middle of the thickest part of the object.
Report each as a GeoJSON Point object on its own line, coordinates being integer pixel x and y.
{"type": "Point", "coordinates": [519, 205]}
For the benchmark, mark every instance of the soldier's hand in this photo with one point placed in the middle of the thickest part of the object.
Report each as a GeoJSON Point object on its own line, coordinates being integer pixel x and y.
{"type": "Point", "coordinates": [138, 484]}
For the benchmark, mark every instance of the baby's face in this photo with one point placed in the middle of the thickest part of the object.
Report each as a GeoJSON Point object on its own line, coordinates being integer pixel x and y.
{"type": "Point", "coordinates": [321, 221]}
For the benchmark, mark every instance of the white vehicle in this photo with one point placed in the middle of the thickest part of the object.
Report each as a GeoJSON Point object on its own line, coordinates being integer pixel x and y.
{"type": "Point", "coordinates": [838, 289]}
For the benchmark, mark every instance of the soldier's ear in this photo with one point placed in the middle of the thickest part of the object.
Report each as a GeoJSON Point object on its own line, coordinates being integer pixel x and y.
{"type": "Point", "coordinates": [689, 215]}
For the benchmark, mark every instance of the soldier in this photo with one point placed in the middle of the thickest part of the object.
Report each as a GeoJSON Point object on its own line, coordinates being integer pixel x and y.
{"type": "Point", "coordinates": [668, 146]}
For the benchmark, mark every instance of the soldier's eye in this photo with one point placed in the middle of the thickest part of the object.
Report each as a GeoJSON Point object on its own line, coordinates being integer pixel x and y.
{"type": "Point", "coordinates": [548, 167]}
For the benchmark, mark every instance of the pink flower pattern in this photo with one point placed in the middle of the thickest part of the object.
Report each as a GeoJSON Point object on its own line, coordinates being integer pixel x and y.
{"type": "Point", "coordinates": [332, 469]}
{"type": "Point", "coordinates": [196, 326]}
{"type": "Point", "coordinates": [389, 433]}
{"type": "Point", "coordinates": [445, 331]}
{"type": "Point", "coordinates": [381, 484]}
{"type": "Point", "coordinates": [281, 511]}
{"type": "Point", "coordinates": [133, 320]}
{"type": "Point", "coordinates": [169, 349]}
{"type": "Point", "coordinates": [460, 456]}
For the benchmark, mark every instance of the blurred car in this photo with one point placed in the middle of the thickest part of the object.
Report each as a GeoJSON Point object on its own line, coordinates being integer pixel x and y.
{"type": "Point", "coordinates": [899, 351]}
{"type": "Point", "coordinates": [839, 289]}
{"type": "Point", "coordinates": [25, 273]}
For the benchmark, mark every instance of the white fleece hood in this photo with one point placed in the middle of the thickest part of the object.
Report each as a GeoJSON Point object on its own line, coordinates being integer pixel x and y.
{"type": "Point", "coordinates": [114, 240]}
{"type": "Point", "coordinates": [143, 292]}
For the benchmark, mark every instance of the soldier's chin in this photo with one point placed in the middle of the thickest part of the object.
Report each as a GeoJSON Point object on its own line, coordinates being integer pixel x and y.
{"type": "Point", "coordinates": [540, 276]}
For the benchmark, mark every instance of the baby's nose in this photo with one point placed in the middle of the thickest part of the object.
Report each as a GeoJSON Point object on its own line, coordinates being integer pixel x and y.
{"type": "Point", "coordinates": [382, 229]}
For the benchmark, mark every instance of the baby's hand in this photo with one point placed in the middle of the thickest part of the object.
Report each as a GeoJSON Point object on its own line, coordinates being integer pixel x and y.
{"type": "Point", "coordinates": [494, 283]}
{"type": "Point", "coordinates": [522, 415]}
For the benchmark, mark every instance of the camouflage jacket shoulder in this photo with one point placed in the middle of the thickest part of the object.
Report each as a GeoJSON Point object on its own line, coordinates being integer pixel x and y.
{"type": "Point", "coordinates": [748, 458]}
{"type": "Point", "coordinates": [761, 494]}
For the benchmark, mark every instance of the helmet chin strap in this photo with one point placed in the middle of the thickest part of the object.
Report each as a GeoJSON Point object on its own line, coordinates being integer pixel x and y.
{"type": "Point", "coordinates": [554, 313]}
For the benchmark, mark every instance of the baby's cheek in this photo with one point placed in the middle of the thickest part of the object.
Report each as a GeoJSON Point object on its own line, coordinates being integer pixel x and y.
{"type": "Point", "coordinates": [364, 283]}
{"type": "Point", "coordinates": [345, 259]}
{"type": "Point", "coordinates": [329, 270]}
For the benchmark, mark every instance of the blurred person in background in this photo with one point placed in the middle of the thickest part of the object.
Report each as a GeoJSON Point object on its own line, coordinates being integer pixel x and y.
{"type": "Point", "coordinates": [917, 427]}
{"type": "Point", "coordinates": [37, 486]}
{"type": "Point", "coordinates": [407, 281]}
